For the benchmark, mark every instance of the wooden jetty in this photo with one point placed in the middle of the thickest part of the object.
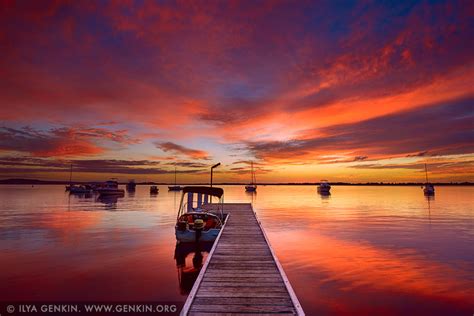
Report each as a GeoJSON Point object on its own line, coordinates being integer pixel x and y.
{"type": "Point", "coordinates": [242, 275]}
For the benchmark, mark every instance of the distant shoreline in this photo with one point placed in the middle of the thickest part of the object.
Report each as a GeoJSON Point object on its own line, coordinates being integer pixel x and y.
{"type": "Point", "coordinates": [46, 182]}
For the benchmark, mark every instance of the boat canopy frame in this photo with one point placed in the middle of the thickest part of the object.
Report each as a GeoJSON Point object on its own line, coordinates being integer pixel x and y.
{"type": "Point", "coordinates": [204, 196]}
{"type": "Point", "coordinates": [212, 191]}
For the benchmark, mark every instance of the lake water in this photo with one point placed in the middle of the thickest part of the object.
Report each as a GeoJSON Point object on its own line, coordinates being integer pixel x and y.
{"type": "Point", "coordinates": [362, 250]}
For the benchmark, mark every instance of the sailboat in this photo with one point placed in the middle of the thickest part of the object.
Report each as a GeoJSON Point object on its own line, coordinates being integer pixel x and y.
{"type": "Point", "coordinates": [68, 187]}
{"type": "Point", "coordinates": [76, 189]}
{"type": "Point", "coordinates": [252, 187]}
{"type": "Point", "coordinates": [429, 188]}
{"type": "Point", "coordinates": [175, 187]}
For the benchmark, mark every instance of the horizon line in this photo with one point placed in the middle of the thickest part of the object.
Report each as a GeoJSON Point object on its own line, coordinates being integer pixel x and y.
{"type": "Point", "coordinates": [59, 182]}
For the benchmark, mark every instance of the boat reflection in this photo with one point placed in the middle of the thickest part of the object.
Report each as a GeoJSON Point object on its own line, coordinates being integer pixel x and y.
{"type": "Point", "coordinates": [325, 195]}
{"type": "Point", "coordinates": [188, 272]}
{"type": "Point", "coordinates": [109, 201]}
{"type": "Point", "coordinates": [252, 196]}
{"type": "Point", "coordinates": [87, 195]}
{"type": "Point", "coordinates": [430, 198]}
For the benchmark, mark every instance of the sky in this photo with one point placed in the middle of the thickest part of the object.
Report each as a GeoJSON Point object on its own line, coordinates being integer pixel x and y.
{"type": "Point", "coordinates": [346, 91]}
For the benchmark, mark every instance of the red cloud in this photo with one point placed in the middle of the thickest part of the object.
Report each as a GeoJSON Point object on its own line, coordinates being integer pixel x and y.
{"type": "Point", "coordinates": [178, 149]}
{"type": "Point", "coordinates": [232, 71]}
{"type": "Point", "coordinates": [60, 142]}
{"type": "Point", "coordinates": [442, 129]}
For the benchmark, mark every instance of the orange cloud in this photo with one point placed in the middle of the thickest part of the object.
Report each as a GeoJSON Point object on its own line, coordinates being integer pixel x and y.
{"type": "Point", "coordinates": [60, 142]}
{"type": "Point", "coordinates": [178, 149]}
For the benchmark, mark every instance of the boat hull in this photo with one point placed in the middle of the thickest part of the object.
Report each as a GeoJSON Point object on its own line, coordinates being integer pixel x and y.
{"type": "Point", "coordinates": [190, 235]}
{"type": "Point", "coordinates": [111, 192]}
{"type": "Point", "coordinates": [324, 190]}
{"type": "Point", "coordinates": [175, 188]}
{"type": "Point", "coordinates": [428, 192]}
{"type": "Point", "coordinates": [80, 191]}
{"type": "Point", "coordinates": [250, 189]}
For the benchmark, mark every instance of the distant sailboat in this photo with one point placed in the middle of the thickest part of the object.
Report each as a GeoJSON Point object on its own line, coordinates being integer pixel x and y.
{"type": "Point", "coordinates": [429, 188]}
{"type": "Point", "coordinates": [175, 187]}
{"type": "Point", "coordinates": [68, 187]}
{"type": "Point", "coordinates": [252, 187]}
{"type": "Point", "coordinates": [76, 189]}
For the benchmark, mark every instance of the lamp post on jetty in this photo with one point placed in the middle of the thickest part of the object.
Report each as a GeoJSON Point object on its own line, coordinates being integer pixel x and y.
{"type": "Point", "coordinates": [212, 168]}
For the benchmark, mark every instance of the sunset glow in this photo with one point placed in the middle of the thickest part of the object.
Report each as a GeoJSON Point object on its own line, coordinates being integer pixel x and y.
{"type": "Point", "coordinates": [352, 92]}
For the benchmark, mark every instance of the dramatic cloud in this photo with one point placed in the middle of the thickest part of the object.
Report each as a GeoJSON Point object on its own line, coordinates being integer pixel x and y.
{"type": "Point", "coordinates": [282, 83]}
{"type": "Point", "coordinates": [181, 150]}
{"type": "Point", "coordinates": [60, 142]}
{"type": "Point", "coordinates": [101, 166]}
{"type": "Point", "coordinates": [458, 167]}
{"type": "Point", "coordinates": [442, 129]}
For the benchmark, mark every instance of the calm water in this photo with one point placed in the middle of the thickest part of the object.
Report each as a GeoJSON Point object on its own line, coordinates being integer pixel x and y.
{"type": "Point", "coordinates": [363, 250]}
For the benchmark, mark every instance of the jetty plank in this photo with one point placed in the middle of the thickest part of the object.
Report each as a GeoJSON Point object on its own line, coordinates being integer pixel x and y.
{"type": "Point", "coordinates": [242, 274]}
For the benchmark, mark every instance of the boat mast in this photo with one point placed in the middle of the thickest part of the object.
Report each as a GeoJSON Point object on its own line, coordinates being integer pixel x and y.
{"type": "Point", "coordinates": [426, 173]}
{"type": "Point", "coordinates": [251, 172]}
{"type": "Point", "coordinates": [70, 175]}
{"type": "Point", "coordinates": [175, 175]}
{"type": "Point", "coordinates": [254, 179]}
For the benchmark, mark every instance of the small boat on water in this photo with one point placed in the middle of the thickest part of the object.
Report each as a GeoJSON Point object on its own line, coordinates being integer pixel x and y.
{"type": "Point", "coordinates": [154, 189]}
{"type": "Point", "coordinates": [195, 220]}
{"type": "Point", "coordinates": [110, 188]}
{"type": "Point", "coordinates": [79, 189]}
{"type": "Point", "coordinates": [324, 188]}
{"type": "Point", "coordinates": [252, 187]}
{"type": "Point", "coordinates": [428, 189]}
{"type": "Point", "coordinates": [68, 187]}
{"type": "Point", "coordinates": [175, 187]}
{"type": "Point", "coordinates": [131, 186]}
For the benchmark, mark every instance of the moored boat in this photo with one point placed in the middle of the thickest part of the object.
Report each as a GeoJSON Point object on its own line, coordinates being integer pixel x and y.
{"type": "Point", "coordinates": [175, 187]}
{"type": "Point", "coordinates": [79, 189]}
{"type": "Point", "coordinates": [68, 187]}
{"type": "Point", "coordinates": [154, 189]}
{"type": "Point", "coordinates": [131, 186]}
{"type": "Point", "coordinates": [324, 187]}
{"type": "Point", "coordinates": [110, 188]}
{"type": "Point", "coordinates": [428, 188]}
{"type": "Point", "coordinates": [195, 222]}
{"type": "Point", "coordinates": [252, 187]}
